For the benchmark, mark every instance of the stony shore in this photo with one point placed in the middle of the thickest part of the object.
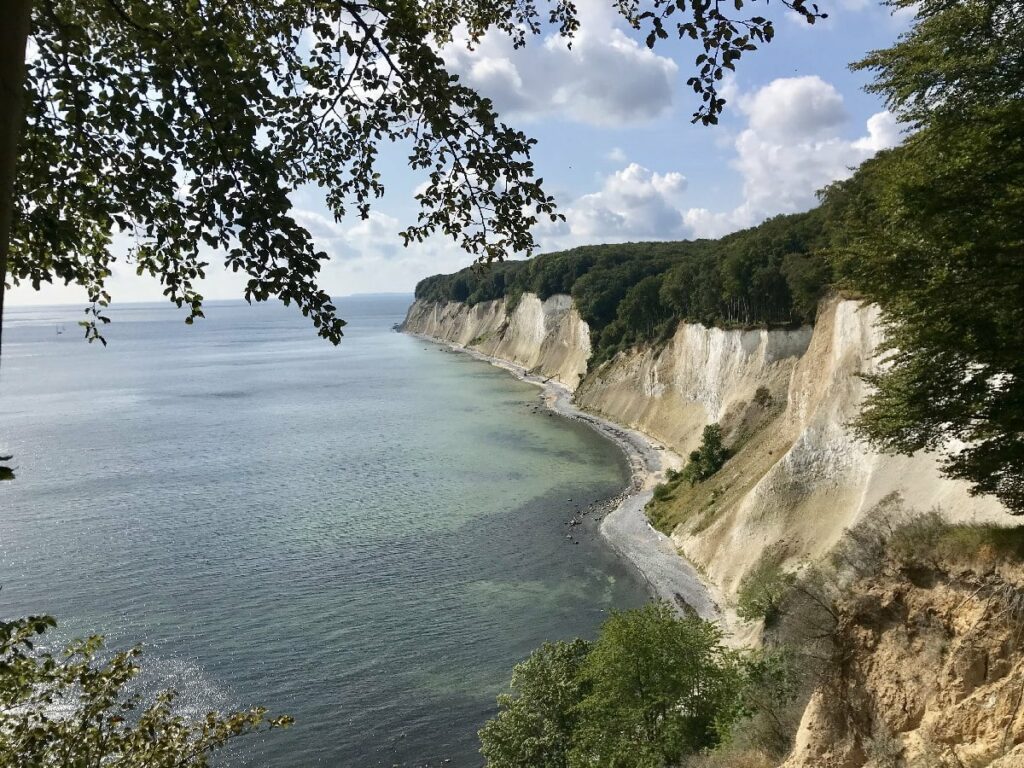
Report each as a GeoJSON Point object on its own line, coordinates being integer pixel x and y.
{"type": "Point", "coordinates": [669, 575]}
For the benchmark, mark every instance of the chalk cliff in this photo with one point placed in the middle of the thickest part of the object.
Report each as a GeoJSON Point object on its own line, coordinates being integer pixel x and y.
{"type": "Point", "coordinates": [548, 337]}
{"type": "Point", "coordinates": [798, 476]}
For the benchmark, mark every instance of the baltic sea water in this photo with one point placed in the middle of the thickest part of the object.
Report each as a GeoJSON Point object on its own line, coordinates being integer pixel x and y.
{"type": "Point", "coordinates": [365, 537]}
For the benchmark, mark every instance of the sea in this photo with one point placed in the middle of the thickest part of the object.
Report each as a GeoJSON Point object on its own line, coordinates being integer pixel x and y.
{"type": "Point", "coordinates": [366, 537]}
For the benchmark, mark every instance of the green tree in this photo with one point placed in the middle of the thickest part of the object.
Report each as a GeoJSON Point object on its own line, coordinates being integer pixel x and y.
{"type": "Point", "coordinates": [662, 687]}
{"type": "Point", "coordinates": [72, 709]}
{"type": "Point", "coordinates": [187, 126]}
{"type": "Point", "coordinates": [764, 587]}
{"type": "Point", "coordinates": [708, 458]}
{"type": "Point", "coordinates": [535, 725]}
{"type": "Point", "coordinates": [641, 308]}
{"type": "Point", "coordinates": [932, 231]}
{"type": "Point", "coordinates": [650, 690]}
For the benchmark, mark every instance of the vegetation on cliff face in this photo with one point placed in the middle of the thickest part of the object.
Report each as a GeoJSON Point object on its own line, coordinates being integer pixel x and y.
{"type": "Point", "coordinates": [905, 645]}
{"type": "Point", "coordinates": [931, 231]}
{"type": "Point", "coordinates": [908, 644]}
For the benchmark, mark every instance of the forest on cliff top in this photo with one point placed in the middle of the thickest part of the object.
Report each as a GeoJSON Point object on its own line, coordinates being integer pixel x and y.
{"type": "Point", "coordinates": [628, 293]}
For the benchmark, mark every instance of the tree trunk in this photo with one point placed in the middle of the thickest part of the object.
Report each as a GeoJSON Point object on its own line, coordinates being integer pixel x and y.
{"type": "Point", "coordinates": [16, 15]}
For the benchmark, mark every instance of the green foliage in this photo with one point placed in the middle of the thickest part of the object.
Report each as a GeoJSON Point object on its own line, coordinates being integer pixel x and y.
{"type": "Point", "coordinates": [763, 588]}
{"type": "Point", "coordinates": [725, 40]}
{"type": "Point", "coordinates": [960, 57]}
{"type": "Point", "coordinates": [189, 126]}
{"type": "Point", "coordinates": [636, 293]}
{"type": "Point", "coordinates": [662, 687]}
{"type": "Point", "coordinates": [73, 709]}
{"type": "Point", "coordinates": [708, 458]}
{"type": "Point", "coordinates": [663, 491]}
{"type": "Point", "coordinates": [536, 723]}
{"type": "Point", "coordinates": [931, 539]}
{"type": "Point", "coordinates": [932, 231]}
{"type": "Point", "coordinates": [652, 688]}
{"type": "Point", "coordinates": [771, 702]}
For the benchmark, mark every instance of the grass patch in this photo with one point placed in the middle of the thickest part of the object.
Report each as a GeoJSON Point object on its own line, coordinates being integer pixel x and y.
{"type": "Point", "coordinates": [752, 451]}
{"type": "Point", "coordinates": [931, 539]}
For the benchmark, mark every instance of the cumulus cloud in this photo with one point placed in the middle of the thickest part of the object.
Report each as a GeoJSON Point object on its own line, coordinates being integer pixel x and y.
{"type": "Point", "coordinates": [794, 107]}
{"type": "Point", "coordinates": [367, 254]}
{"type": "Point", "coordinates": [605, 79]}
{"type": "Point", "coordinates": [883, 133]}
{"type": "Point", "coordinates": [792, 146]}
{"type": "Point", "coordinates": [633, 204]}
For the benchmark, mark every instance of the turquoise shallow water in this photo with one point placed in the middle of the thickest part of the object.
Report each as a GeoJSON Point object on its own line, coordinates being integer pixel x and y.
{"type": "Point", "coordinates": [366, 537]}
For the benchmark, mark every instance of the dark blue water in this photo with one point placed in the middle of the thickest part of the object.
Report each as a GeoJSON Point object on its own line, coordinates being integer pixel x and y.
{"type": "Point", "coordinates": [366, 537]}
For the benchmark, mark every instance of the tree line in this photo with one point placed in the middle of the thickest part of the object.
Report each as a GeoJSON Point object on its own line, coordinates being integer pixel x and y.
{"type": "Point", "coordinates": [770, 275]}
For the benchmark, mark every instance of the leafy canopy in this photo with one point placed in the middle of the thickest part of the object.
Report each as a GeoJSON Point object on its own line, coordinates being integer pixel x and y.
{"type": "Point", "coordinates": [536, 724]}
{"type": "Point", "coordinates": [650, 690]}
{"type": "Point", "coordinates": [74, 709]}
{"type": "Point", "coordinates": [188, 126]}
{"type": "Point", "coordinates": [709, 457]}
{"type": "Point", "coordinates": [630, 293]}
{"type": "Point", "coordinates": [185, 128]}
{"type": "Point", "coordinates": [933, 232]}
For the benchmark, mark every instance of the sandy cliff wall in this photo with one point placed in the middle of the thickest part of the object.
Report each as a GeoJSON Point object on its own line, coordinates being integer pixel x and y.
{"type": "Point", "coordinates": [926, 673]}
{"type": "Point", "coordinates": [798, 478]}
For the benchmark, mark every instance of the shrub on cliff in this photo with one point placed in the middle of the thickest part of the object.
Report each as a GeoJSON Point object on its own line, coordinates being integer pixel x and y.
{"type": "Point", "coordinates": [536, 723]}
{"type": "Point", "coordinates": [932, 231]}
{"type": "Point", "coordinates": [708, 458]}
{"type": "Point", "coordinates": [662, 687]}
{"type": "Point", "coordinates": [763, 588]}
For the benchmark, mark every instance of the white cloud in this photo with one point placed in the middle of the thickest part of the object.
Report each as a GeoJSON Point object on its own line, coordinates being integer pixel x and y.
{"type": "Point", "coordinates": [616, 155]}
{"type": "Point", "coordinates": [791, 147]}
{"type": "Point", "coordinates": [883, 133]}
{"type": "Point", "coordinates": [634, 203]}
{"type": "Point", "coordinates": [794, 108]}
{"type": "Point", "coordinates": [605, 79]}
{"type": "Point", "coordinates": [367, 255]}
{"type": "Point", "coordinates": [375, 237]}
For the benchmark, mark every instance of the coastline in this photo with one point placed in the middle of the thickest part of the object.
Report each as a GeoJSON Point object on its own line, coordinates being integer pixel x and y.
{"type": "Point", "coordinates": [668, 574]}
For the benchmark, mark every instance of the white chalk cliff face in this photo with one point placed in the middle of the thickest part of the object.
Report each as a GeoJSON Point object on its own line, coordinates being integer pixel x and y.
{"type": "Point", "coordinates": [547, 337]}
{"type": "Point", "coordinates": [799, 479]}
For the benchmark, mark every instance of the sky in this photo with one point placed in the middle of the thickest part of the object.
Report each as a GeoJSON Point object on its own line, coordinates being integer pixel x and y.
{"type": "Point", "coordinates": [616, 147]}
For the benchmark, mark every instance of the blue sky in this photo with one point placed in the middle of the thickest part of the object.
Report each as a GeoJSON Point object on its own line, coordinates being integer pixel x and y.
{"type": "Point", "coordinates": [616, 146]}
